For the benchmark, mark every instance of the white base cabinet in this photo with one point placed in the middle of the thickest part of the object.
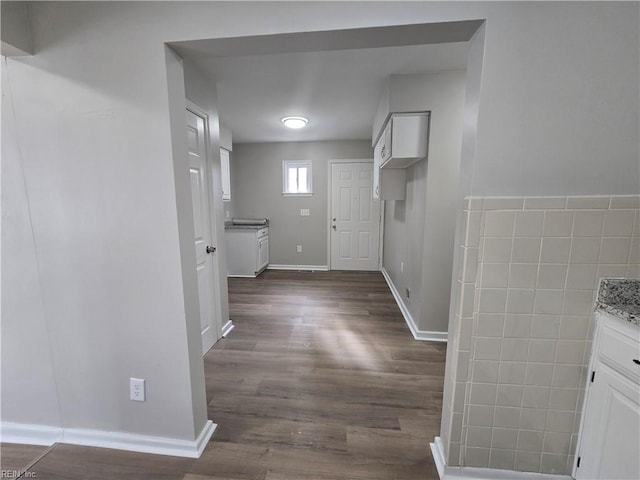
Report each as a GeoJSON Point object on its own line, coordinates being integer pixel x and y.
{"type": "Point", "coordinates": [247, 251]}
{"type": "Point", "coordinates": [609, 443]}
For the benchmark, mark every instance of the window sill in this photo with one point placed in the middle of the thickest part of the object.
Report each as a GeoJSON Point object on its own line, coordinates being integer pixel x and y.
{"type": "Point", "coordinates": [297, 194]}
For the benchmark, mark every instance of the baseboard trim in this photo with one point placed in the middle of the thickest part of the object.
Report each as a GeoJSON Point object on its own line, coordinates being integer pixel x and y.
{"type": "Point", "coordinates": [227, 327]}
{"type": "Point", "coordinates": [305, 268]}
{"type": "Point", "coordinates": [29, 434]}
{"type": "Point", "coordinates": [43, 435]}
{"type": "Point", "coordinates": [424, 335]}
{"type": "Point", "coordinates": [437, 451]}
{"type": "Point", "coordinates": [473, 473]}
{"type": "Point", "coordinates": [203, 439]}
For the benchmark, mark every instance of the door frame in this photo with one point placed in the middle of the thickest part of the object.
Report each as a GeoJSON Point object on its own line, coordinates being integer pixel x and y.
{"type": "Point", "coordinates": [215, 266]}
{"type": "Point", "coordinates": [331, 162]}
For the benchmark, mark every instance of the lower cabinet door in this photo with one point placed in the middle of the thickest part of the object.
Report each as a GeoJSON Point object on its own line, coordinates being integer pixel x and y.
{"type": "Point", "coordinates": [610, 446]}
{"type": "Point", "coordinates": [263, 253]}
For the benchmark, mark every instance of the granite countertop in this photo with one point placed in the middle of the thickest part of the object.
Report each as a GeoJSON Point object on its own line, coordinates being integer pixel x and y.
{"type": "Point", "coordinates": [620, 297]}
{"type": "Point", "coordinates": [231, 226]}
{"type": "Point", "coordinates": [246, 223]}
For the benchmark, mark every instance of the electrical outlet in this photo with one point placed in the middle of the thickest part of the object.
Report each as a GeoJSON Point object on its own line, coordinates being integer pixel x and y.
{"type": "Point", "coordinates": [299, 249]}
{"type": "Point", "coordinates": [304, 212]}
{"type": "Point", "coordinates": [407, 292]}
{"type": "Point", "coordinates": [136, 389]}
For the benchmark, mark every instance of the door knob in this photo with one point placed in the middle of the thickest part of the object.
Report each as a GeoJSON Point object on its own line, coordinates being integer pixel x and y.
{"type": "Point", "coordinates": [210, 249]}
{"type": "Point", "coordinates": [334, 227]}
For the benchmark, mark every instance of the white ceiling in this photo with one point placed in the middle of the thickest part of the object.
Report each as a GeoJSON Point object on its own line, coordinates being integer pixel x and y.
{"type": "Point", "coordinates": [317, 76]}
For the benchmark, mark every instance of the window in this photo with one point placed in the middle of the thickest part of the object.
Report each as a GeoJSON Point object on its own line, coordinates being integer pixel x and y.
{"type": "Point", "coordinates": [296, 178]}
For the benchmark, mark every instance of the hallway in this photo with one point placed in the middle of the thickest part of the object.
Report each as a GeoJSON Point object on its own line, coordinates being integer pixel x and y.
{"type": "Point", "coordinates": [320, 379]}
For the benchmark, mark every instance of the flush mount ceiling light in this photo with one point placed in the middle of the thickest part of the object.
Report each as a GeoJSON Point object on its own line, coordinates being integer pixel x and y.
{"type": "Point", "coordinates": [294, 122]}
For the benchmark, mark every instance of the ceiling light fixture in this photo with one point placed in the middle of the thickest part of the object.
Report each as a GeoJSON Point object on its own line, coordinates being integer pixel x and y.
{"type": "Point", "coordinates": [294, 122]}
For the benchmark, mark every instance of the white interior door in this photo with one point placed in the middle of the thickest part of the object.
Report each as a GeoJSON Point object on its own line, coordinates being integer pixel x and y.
{"type": "Point", "coordinates": [199, 168]}
{"type": "Point", "coordinates": [354, 218]}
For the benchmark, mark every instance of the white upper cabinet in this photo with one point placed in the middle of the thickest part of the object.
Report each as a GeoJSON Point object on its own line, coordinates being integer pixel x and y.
{"type": "Point", "coordinates": [404, 139]}
{"type": "Point", "coordinates": [226, 174]}
{"type": "Point", "coordinates": [388, 183]}
{"type": "Point", "coordinates": [403, 142]}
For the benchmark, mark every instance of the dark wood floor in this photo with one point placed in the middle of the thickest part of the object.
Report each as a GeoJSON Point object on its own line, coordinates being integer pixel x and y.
{"type": "Point", "coordinates": [320, 380]}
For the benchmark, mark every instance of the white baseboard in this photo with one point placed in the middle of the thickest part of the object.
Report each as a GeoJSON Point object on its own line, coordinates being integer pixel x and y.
{"type": "Point", "coordinates": [473, 473]}
{"type": "Point", "coordinates": [425, 335]}
{"type": "Point", "coordinates": [226, 328]}
{"type": "Point", "coordinates": [44, 435]}
{"type": "Point", "coordinates": [29, 434]}
{"type": "Point", "coordinates": [306, 268]}
{"type": "Point", "coordinates": [437, 450]}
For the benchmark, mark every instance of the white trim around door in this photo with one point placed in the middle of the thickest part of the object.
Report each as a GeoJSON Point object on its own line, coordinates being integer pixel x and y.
{"type": "Point", "coordinates": [214, 330]}
{"type": "Point", "coordinates": [333, 162]}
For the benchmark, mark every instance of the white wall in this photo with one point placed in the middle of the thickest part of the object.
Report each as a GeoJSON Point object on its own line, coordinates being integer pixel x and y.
{"type": "Point", "coordinates": [404, 237]}
{"type": "Point", "coordinates": [465, 180]}
{"type": "Point", "coordinates": [420, 230]}
{"type": "Point", "coordinates": [26, 350]}
{"type": "Point", "coordinates": [194, 390]}
{"type": "Point", "coordinates": [558, 113]}
{"type": "Point", "coordinates": [558, 107]}
{"type": "Point", "coordinates": [96, 155]}
{"type": "Point", "coordinates": [15, 31]}
{"type": "Point", "coordinates": [256, 172]}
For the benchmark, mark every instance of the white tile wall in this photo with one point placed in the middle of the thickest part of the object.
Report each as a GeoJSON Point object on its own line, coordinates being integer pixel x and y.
{"type": "Point", "coordinates": [523, 324]}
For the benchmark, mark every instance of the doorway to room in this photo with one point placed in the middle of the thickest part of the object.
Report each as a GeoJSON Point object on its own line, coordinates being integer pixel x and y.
{"type": "Point", "coordinates": [354, 216]}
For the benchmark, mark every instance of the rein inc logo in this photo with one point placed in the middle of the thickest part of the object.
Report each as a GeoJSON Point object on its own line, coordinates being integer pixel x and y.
{"type": "Point", "coordinates": [17, 474]}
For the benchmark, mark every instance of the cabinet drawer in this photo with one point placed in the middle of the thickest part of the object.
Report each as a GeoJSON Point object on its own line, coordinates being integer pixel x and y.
{"type": "Point", "coordinates": [619, 351]}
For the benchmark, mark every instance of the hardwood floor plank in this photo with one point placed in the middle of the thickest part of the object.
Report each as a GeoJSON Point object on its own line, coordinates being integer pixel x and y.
{"type": "Point", "coordinates": [307, 410]}
{"type": "Point", "coordinates": [268, 431]}
{"type": "Point", "coordinates": [399, 445]}
{"type": "Point", "coordinates": [73, 462]}
{"type": "Point", "coordinates": [15, 457]}
{"type": "Point", "coordinates": [233, 461]}
{"type": "Point", "coordinates": [426, 426]}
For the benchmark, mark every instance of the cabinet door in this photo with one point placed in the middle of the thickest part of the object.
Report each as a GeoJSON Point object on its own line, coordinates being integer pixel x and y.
{"type": "Point", "coordinates": [610, 444]}
{"type": "Point", "coordinates": [226, 174]}
{"type": "Point", "coordinates": [263, 253]}
{"type": "Point", "coordinates": [385, 147]}
{"type": "Point", "coordinates": [377, 161]}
